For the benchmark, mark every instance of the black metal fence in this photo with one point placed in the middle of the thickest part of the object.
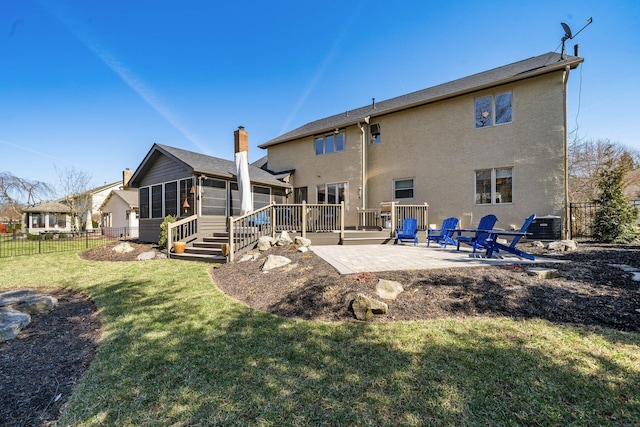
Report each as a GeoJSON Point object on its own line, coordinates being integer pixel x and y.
{"type": "Point", "coordinates": [17, 244]}
{"type": "Point", "coordinates": [582, 216]}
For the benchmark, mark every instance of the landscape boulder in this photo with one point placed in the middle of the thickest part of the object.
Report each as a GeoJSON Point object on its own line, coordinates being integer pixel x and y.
{"type": "Point", "coordinates": [123, 248]}
{"type": "Point", "coordinates": [388, 289]}
{"type": "Point", "coordinates": [302, 241]}
{"type": "Point", "coordinates": [12, 322]}
{"type": "Point", "coordinates": [562, 246]}
{"type": "Point", "coordinates": [365, 308]}
{"type": "Point", "coordinates": [16, 308]}
{"type": "Point", "coordinates": [283, 239]}
{"type": "Point", "coordinates": [265, 243]}
{"type": "Point", "coordinates": [274, 261]}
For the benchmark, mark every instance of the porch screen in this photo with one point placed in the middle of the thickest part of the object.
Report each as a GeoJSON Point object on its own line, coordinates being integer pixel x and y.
{"type": "Point", "coordinates": [214, 197]}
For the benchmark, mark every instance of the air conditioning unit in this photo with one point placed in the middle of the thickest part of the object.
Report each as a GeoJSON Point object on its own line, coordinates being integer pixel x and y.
{"type": "Point", "coordinates": [375, 128]}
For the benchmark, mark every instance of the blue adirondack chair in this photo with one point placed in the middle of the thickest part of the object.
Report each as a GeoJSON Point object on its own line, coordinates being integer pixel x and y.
{"type": "Point", "coordinates": [444, 234]}
{"type": "Point", "coordinates": [409, 231]}
{"type": "Point", "coordinates": [511, 248]}
{"type": "Point", "coordinates": [479, 239]}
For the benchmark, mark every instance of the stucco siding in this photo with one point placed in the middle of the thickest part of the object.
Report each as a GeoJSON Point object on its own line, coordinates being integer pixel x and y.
{"type": "Point", "coordinates": [438, 146]}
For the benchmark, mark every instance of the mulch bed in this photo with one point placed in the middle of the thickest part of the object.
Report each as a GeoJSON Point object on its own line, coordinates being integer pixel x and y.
{"type": "Point", "coordinates": [39, 368]}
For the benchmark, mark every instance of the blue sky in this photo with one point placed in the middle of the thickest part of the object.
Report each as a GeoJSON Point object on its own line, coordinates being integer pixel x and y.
{"type": "Point", "coordinates": [91, 85]}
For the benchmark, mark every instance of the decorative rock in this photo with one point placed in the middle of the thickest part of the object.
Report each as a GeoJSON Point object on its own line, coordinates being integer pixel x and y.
{"type": "Point", "coordinates": [264, 243]}
{"type": "Point", "coordinates": [123, 248]}
{"type": "Point", "coordinates": [246, 257]}
{"type": "Point", "coordinates": [145, 256]}
{"type": "Point", "coordinates": [388, 289]}
{"type": "Point", "coordinates": [562, 245]}
{"type": "Point", "coordinates": [11, 322]}
{"type": "Point", "coordinates": [302, 241]}
{"type": "Point", "coordinates": [537, 244]}
{"type": "Point", "coordinates": [274, 261]}
{"type": "Point", "coordinates": [364, 307]}
{"type": "Point", "coordinates": [284, 239]}
{"type": "Point", "coordinates": [28, 301]}
{"type": "Point", "coordinates": [303, 249]}
{"type": "Point", "coordinates": [543, 273]}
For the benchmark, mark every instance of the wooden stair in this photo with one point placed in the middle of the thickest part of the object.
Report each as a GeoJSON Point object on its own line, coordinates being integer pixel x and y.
{"type": "Point", "coordinates": [209, 249]}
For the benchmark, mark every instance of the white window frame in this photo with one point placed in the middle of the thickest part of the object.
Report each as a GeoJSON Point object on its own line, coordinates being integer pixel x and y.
{"type": "Point", "coordinates": [334, 149]}
{"type": "Point", "coordinates": [492, 113]}
{"type": "Point", "coordinates": [494, 192]}
{"type": "Point", "coordinates": [337, 195]}
{"type": "Point", "coordinates": [394, 189]}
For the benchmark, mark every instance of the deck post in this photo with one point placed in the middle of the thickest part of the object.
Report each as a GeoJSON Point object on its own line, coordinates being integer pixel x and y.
{"type": "Point", "coordinates": [304, 218]}
{"type": "Point", "coordinates": [393, 219]}
{"type": "Point", "coordinates": [231, 238]}
{"type": "Point", "coordinates": [273, 220]}
{"type": "Point", "coordinates": [341, 221]}
{"type": "Point", "coordinates": [169, 240]}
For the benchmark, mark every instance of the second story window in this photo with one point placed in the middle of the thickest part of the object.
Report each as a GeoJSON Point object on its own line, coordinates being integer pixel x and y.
{"type": "Point", "coordinates": [330, 143]}
{"type": "Point", "coordinates": [493, 110]}
{"type": "Point", "coordinates": [375, 133]}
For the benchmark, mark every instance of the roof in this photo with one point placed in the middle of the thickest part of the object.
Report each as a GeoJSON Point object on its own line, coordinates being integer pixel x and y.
{"type": "Point", "coordinates": [129, 197]}
{"type": "Point", "coordinates": [51, 207]}
{"type": "Point", "coordinates": [207, 165]}
{"type": "Point", "coordinates": [524, 69]}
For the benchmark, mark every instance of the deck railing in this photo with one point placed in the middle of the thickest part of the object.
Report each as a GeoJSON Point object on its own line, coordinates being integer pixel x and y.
{"type": "Point", "coordinates": [246, 230]}
{"type": "Point", "coordinates": [183, 230]}
{"type": "Point", "coordinates": [391, 214]}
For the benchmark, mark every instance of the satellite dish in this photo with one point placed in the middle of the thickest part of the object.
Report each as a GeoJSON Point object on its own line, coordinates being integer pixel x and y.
{"type": "Point", "coordinates": [567, 31]}
{"type": "Point", "coordinates": [568, 35]}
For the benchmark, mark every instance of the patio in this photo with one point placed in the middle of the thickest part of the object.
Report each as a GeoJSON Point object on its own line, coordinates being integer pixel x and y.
{"type": "Point", "coordinates": [376, 258]}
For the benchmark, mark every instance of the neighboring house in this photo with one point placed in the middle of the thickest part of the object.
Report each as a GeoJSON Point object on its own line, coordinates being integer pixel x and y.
{"type": "Point", "coordinates": [493, 142]}
{"type": "Point", "coordinates": [47, 217]}
{"type": "Point", "coordinates": [173, 181]}
{"type": "Point", "coordinates": [85, 207]}
{"type": "Point", "coordinates": [120, 213]}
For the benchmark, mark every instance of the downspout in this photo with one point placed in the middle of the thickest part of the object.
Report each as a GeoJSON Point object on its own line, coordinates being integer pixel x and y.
{"type": "Point", "coordinates": [567, 222]}
{"type": "Point", "coordinates": [363, 168]}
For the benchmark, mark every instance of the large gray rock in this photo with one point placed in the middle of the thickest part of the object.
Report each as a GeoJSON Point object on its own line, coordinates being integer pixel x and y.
{"type": "Point", "coordinates": [123, 248]}
{"type": "Point", "coordinates": [145, 256]}
{"type": "Point", "coordinates": [265, 243]}
{"type": "Point", "coordinates": [364, 307]}
{"type": "Point", "coordinates": [388, 289]}
{"type": "Point", "coordinates": [284, 239]}
{"type": "Point", "coordinates": [274, 261]}
{"type": "Point", "coordinates": [12, 322]}
{"type": "Point", "coordinates": [28, 301]}
{"type": "Point", "coordinates": [302, 241]}
{"type": "Point", "coordinates": [562, 246]}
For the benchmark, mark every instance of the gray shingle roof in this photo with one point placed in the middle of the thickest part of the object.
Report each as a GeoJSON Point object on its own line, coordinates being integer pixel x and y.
{"type": "Point", "coordinates": [51, 207]}
{"type": "Point", "coordinates": [214, 166]}
{"type": "Point", "coordinates": [517, 71]}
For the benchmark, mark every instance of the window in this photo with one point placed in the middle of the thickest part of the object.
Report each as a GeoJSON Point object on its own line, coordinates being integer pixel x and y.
{"type": "Point", "coordinates": [494, 186]}
{"type": "Point", "coordinates": [156, 201]}
{"type": "Point", "coordinates": [403, 189]}
{"type": "Point", "coordinates": [261, 197]}
{"type": "Point", "coordinates": [375, 133]}
{"type": "Point", "coordinates": [493, 110]}
{"type": "Point", "coordinates": [214, 197]}
{"type": "Point", "coordinates": [330, 143]}
{"type": "Point", "coordinates": [332, 194]}
{"type": "Point", "coordinates": [171, 198]}
{"type": "Point", "coordinates": [300, 194]}
{"type": "Point", "coordinates": [187, 198]}
{"type": "Point", "coordinates": [144, 202]}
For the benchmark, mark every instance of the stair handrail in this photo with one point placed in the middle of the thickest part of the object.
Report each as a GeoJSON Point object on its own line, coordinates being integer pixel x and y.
{"type": "Point", "coordinates": [186, 231]}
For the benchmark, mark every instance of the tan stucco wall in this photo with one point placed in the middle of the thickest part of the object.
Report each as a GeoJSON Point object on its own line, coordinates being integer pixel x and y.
{"type": "Point", "coordinates": [439, 147]}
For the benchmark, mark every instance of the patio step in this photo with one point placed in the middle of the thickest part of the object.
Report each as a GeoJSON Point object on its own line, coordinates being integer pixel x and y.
{"type": "Point", "coordinates": [190, 256]}
{"type": "Point", "coordinates": [366, 237]}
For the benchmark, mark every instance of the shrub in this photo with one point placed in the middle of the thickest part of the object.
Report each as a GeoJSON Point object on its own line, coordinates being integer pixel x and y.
{"type": "Point", "coordinates": [162, 241]}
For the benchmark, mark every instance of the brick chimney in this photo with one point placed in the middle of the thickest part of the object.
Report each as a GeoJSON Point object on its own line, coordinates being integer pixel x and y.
{"type": "Point", "coordinates": [126, 177]}
{"type": "Point", "coordinates": [241, 140]}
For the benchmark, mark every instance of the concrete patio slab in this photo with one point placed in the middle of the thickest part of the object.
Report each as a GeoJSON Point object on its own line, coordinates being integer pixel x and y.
{"type": "Point", "coordinates": [375, 258]}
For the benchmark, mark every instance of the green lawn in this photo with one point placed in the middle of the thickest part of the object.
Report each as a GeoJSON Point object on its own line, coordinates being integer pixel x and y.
{"type": "Point", "coordinates": [176, 351]}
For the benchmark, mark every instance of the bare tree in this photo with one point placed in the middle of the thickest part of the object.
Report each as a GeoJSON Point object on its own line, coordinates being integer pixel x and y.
{"type": "Point", "coordinates": [16, 192]}
{"type": "Point", "coordinates": [73, 190]}
{"type": "Point", "coordinates": [586, 158]}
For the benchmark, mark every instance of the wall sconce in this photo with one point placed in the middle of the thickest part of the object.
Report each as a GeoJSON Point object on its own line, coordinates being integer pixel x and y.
{"type": "Point", "coordinates": [359, 192]}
